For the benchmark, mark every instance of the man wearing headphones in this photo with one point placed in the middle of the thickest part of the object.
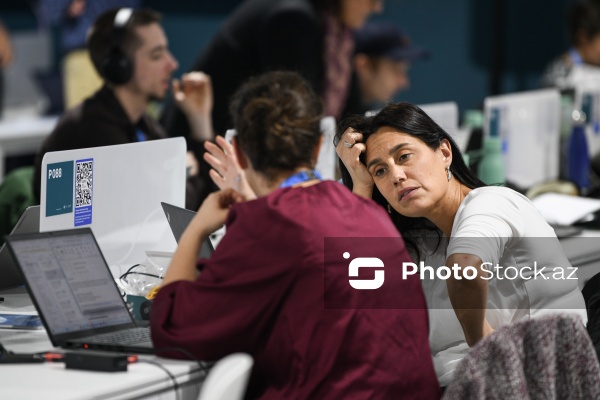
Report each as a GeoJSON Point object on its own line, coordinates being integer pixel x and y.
{"type": "Point", "coordinates": [129, 50]}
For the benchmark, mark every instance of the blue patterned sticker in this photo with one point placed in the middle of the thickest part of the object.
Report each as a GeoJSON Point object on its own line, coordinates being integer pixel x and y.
{"type": "Point", "coordinates": [84, 184]}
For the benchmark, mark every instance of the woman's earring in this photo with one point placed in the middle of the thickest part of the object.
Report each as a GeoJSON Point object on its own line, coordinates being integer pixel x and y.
{"type": "Point", "coordinates": [389, 208]}
{"type": "Point", "coordinates": [448, 174]}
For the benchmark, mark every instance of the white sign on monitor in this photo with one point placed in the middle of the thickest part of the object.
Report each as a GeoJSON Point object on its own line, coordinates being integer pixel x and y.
{"type": "Point", "coordinates": [117, 191]}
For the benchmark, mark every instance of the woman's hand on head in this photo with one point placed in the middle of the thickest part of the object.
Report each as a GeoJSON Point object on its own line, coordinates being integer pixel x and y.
{"type": "Point", "coordinates": [226, 171]}
{"type": "Point", "coordinates": [349, 149]}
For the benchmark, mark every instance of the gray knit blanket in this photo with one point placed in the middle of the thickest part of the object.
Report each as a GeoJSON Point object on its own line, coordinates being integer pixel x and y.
{"type": "Point", "coordinates": [550, 357]}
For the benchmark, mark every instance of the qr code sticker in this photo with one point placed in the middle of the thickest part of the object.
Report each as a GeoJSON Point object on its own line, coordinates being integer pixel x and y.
{"type": "Point", "coordinates": [83, 183]}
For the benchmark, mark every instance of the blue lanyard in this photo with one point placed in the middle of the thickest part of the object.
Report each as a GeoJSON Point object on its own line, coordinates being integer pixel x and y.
{"type": "Point", "coordinates": [141, 137]}
{"type": "Point", "coordinates": [575, 57]}
{"type": "Point", "coordinates": [300, 177]}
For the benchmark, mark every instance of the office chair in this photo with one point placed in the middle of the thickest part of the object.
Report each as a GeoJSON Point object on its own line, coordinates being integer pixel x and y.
{"type": "Point", "coordinates": [16, 194]}
{"type": "Point", "coordinates": [228, 378]}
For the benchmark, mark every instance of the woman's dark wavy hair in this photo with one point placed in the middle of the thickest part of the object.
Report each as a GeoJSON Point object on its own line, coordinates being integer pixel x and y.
{"type": "Point", "coordinates": [410, 119]}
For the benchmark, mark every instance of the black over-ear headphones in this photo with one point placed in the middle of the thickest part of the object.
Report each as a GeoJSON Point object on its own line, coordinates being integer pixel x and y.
{"type": "Point", "coordinates": [117, 68]}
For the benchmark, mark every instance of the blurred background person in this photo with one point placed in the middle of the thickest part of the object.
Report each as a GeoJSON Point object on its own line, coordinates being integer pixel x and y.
{"type": "Point", "coordinates": [5, 59]}
{"type": "Point", "coordinates": [584, 37]}
{"type": "Point", "coordinates": [130, 51]}
{"type": "Point", "coordinates": [311, 37]}
{"type": "Point", "coordinates": [74, 18]}
{"type": "Point", "coordinates": [383, 55]}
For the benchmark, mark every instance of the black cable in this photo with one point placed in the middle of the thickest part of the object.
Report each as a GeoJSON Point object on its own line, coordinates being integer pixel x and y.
{"type": "Point", "coordinates": [173, 379]}
{"type": "Point", "coordinates": [138, 273]}
{"type": "Point", "coordinates": [129, 270]}
{"type": "Point", "coordinates": [203, 365]}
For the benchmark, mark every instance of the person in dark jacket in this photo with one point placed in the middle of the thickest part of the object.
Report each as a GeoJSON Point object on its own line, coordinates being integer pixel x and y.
{"type": "Point", "coordinates": [130, 51]}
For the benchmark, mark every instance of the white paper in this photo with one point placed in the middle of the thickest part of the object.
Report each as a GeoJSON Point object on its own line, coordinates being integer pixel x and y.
{"type": "Point", "coordinates": [562, 209]}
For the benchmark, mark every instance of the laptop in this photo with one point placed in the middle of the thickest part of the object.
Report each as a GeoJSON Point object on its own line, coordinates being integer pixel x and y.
{"type": "Point", "coordinates": [179, 218]}
{"type": "Point", "coordinates": [29, 222]}
{"type": "Point", "coordinates": [74, 292]}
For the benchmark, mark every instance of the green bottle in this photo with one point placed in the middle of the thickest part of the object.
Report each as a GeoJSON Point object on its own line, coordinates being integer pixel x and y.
{"type": "Point", "coordinates": [491, 167]}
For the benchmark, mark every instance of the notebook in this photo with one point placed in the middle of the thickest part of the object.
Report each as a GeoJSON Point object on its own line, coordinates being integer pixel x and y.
{"type": "Point", "coordinates": [74, 292]}
{"type": "Point", "coordinates": [28, 223]}
{"type": "Point", "coordinates": [179, 218]}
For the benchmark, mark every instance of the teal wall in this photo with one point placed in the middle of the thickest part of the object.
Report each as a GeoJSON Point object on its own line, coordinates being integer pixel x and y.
{"type": "Point", "coordinates": [478, 47]}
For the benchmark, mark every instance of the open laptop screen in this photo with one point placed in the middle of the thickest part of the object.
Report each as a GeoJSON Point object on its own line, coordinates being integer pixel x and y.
{"type": "Point", "coordinates": [179, 218]}
{"type": "Point", "coordinates": [69, 281]}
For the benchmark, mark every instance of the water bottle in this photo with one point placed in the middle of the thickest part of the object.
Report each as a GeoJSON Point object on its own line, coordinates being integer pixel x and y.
{"type": "Point", "coordinates": [578, 158]}
{"type": "Point", "coordinates": [566, 127]}
{"type": "Point", "coordinates": [491, 167]}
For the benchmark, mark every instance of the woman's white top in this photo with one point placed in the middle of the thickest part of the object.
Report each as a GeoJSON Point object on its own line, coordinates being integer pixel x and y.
{"type": "Point", "coordinates": [529, 273]}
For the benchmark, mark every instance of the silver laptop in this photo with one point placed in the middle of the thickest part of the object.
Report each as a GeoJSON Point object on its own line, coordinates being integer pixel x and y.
{"type": "Point", "coordinates": [9, 272]}
{"type": "Point", "coordinates": [74, 292]}
{"type": "Point", "coordinates": [179, 218]}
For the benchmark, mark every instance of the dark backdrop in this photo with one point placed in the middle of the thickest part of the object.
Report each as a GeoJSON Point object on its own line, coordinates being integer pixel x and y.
{"type": "Point", "coordinates": [478, 47]}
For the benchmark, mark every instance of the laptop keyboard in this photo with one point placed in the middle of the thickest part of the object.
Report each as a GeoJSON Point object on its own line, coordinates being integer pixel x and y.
{"type": "Point", "coordinates": [124, 337]}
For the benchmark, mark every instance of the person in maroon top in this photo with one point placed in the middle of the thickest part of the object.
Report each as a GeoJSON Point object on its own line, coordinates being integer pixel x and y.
{"type": "Point", "coordinates": [277, 287]}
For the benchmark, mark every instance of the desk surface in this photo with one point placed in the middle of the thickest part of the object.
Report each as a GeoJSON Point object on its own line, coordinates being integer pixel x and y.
{"type": "Point", "coordinates": [23, 135]}
{"type": "Point", "coordinates": [27, 126]}
{"type": "Point", "coordinates": [52, 381]}
{"type": "Point", "coordinates": [583, 252]}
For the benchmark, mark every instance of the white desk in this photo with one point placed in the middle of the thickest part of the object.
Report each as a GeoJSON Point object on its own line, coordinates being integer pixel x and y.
{"type": "Point", "coordinates": [23, 135]}
{"type": "Point", "coordinates": [583, 252]}
{"type": "Point", "coordinates": [51, 381]}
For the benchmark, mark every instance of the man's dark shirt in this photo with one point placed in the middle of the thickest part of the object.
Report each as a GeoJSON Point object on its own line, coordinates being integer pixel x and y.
{"type": "Point", "coordinates": [101, 121]}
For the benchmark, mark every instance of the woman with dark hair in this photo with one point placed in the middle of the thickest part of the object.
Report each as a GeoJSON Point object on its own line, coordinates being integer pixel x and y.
{"type": "Point", "coordinates": [489, 237]}
{"type": "Point", "coordinates": [268, 287]}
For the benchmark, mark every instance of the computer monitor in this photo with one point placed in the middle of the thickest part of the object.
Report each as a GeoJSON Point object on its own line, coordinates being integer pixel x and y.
{"type": "Point", "coordinates": [529, 125]}
{"type": "Point", "coordinates": [116, 191]}
{"type": "Point", "coordinates": [445, 114]}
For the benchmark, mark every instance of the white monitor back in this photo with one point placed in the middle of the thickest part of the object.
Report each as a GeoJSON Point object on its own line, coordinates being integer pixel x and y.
{"type": "Point", "coordinates": [445, 114]}
{"type": "Point", "coordinates": [327, 159]}
{"type": "Point", "coordinates": [530, 128]}
{"type": "Point", "coordinates": [118, 197]}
